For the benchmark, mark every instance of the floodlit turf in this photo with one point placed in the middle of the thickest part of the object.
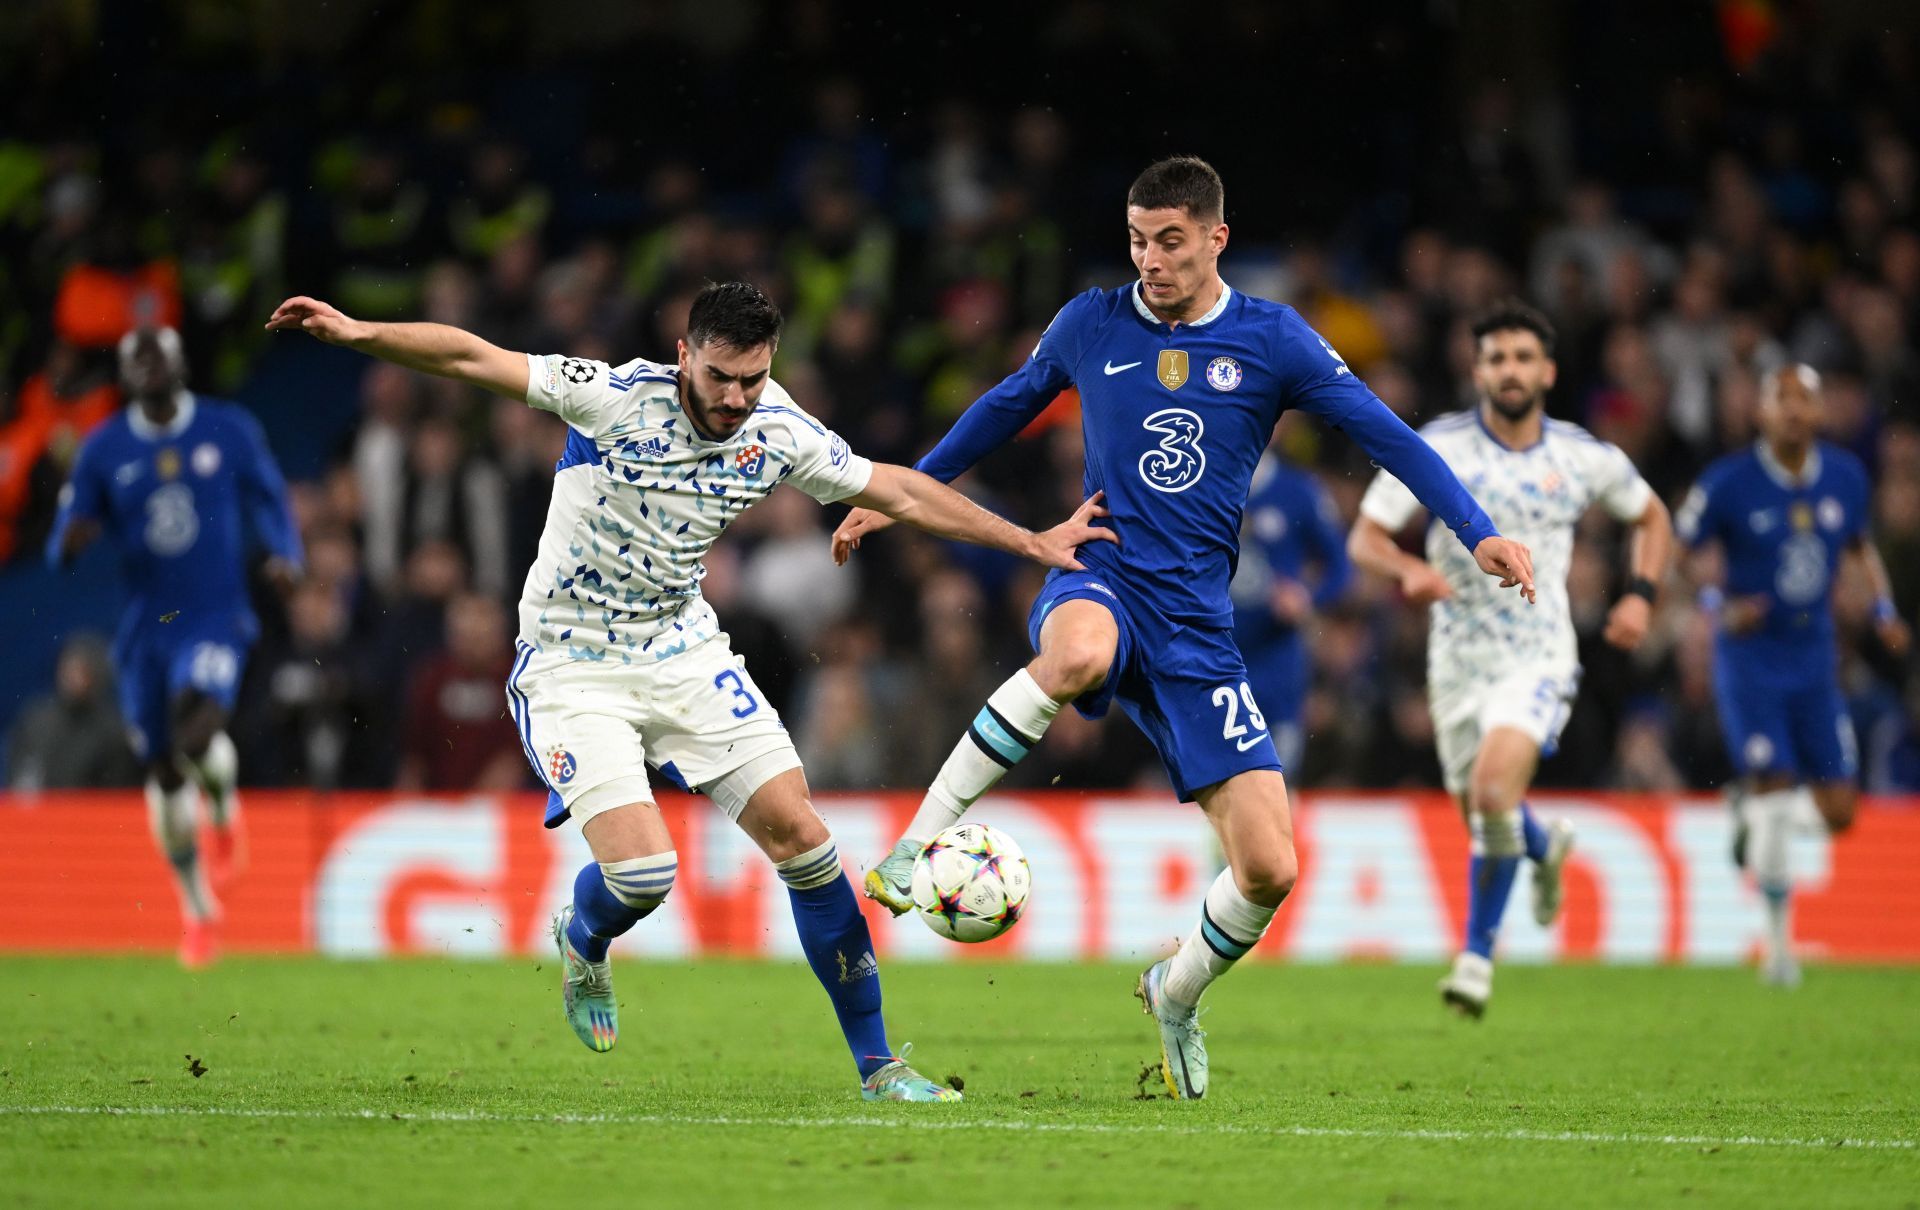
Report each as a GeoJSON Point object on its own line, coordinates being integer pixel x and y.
{"type": "Point", "coordinates": [455, 1083]}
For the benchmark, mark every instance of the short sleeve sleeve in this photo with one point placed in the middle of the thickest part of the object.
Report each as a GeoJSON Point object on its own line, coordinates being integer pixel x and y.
{"type": "Point", "coordinates": [824, 467]}
{"type": "Point", "coordinates": [1617, 484]}
{"type": "Point", "coordinates": [1389, 504]}
{"type": "Point", "coordinates": [578, 390]}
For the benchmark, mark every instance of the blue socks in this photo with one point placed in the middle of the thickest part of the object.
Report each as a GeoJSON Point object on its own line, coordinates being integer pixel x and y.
{"type": "Point", "coordinates": [1496, 859]}
{"type": "Point", "coordinates": [1534, 835]}
{"type": "Point", "coordinates": [834, 936]}
{"type": "Point", "coordinates": [610, 898]}
{"type": "Point", "coordinates": [1490, 879]}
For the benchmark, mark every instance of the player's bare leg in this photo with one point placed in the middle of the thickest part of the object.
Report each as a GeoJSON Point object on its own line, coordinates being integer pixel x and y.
{"type": "Point", "coordinates": [781, 819]}
{"type": "Point", "coordinates": [1502, 770]}
{"type": "Point", "coordinates": [631, 874]}
{"type": "Point", "coordinates": [1077, 645]}
{"type": "Point", "coordinates": [1250, 815]}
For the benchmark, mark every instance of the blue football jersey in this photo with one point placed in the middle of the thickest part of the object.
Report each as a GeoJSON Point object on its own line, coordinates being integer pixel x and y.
{"type": "Point", "coordinates": [1782, 536]}
{"type": "Point", "coordinates": [1175, 420]}
{"type": "Point", "coordinates": [178, 503]}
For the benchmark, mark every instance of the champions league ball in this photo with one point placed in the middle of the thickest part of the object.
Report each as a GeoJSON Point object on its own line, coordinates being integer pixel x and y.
{"type": "Point", "coordinates": [971, 883]}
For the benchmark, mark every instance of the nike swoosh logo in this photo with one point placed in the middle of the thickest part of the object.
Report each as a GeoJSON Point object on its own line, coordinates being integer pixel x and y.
{"type": "Point", "coordinates": [1114, 369]}
{"type": "Point", "coordinates": [1250, 741]}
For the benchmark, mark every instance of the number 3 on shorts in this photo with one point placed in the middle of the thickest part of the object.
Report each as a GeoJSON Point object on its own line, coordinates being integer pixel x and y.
{"type": "Point", "coordinates": [747, 702]}
{"type": "Point", "coordinates": [1233, 728]}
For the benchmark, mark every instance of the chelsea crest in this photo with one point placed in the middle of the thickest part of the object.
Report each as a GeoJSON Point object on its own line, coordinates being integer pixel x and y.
{"type": "Point", "coordinates": [1223, 373]}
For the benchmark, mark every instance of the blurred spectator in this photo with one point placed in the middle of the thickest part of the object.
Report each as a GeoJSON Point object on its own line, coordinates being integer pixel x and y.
{"type": "Point", "coordinates": [74, 738]}
{"type": "Point", "coordinates": [457, 734]}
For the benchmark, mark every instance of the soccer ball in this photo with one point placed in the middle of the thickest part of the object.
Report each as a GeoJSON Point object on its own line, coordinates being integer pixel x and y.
{"type": "Point", "coordinates": [971, 883]}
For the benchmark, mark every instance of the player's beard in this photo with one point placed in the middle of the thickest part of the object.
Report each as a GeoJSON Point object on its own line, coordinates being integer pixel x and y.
{"type": "Point", "coordinates": [707, 417]}
{"type": "Point", "coordinates": [1513, 413]}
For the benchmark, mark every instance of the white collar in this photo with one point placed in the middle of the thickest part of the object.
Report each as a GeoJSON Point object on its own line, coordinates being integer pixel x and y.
{"type": "Point", "coordinates": [1213, 312]}
{"type": "Point", "coordinates": [1776, 471]}
{"type": "Point", "coordinates": [149, 431]}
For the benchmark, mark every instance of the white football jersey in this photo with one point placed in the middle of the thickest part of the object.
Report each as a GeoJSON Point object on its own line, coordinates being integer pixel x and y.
{"type": "Point", "coordinates": [639, 498]}
{"type": "Point", "coordinates": [1534, 496]}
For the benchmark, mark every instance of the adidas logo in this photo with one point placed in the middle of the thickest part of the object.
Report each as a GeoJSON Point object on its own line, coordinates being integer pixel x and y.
{"type": "Point", "coordinates": [653, 447]}
{"type": "Point", "coordinates": [868, 967]}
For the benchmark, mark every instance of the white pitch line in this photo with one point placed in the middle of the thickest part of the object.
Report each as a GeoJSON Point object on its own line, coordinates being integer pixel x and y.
{"type": "Point", "coordinates": [880, 1123]}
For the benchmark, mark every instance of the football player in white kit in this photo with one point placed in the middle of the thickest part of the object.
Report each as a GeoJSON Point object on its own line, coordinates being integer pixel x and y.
{"type": "Point", "coordinates": [1501, 678]}
{"type": "Point", "coordinates": [623, 665]}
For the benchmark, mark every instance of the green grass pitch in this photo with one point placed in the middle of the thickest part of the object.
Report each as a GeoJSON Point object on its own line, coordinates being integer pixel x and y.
{"type": "Point", "coordinates": [434, 1082]}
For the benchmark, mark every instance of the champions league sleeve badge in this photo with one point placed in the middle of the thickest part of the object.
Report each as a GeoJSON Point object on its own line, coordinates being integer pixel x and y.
{"type": "Point", "coordinates": [1223, 373]}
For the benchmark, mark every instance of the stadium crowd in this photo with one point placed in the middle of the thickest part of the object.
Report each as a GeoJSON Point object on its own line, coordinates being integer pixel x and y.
{"type": "Point", "coordinates": [1685, 235]}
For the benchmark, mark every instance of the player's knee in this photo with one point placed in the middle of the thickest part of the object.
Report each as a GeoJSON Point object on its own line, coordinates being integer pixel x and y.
{"type": "Point", "coordinates": [1074, 664]}
{"type": "Point", "coordinates": [196, 719]}
{"type": "Point", "coordinates": [793, 832]}
{"type": "Point", "coordinates": [1838, 805]}
{"type": "Point", "coordinates": [1267, 877]}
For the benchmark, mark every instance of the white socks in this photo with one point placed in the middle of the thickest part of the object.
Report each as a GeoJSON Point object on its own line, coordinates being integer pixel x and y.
{"type": "Point", "coordinates": [174, 818]}
{"type": "Point", "coordinates": [1230, 925]}
{"type": "Point", "coordinates": [218, 772]}
{"type": "Point", "coordinates": [1770, 820]}
{"type": "Point", "coordinates": [1004, 731]}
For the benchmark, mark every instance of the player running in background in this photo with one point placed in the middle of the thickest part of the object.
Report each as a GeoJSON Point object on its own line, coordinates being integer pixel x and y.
{"type": "Point", "coordinates": [179, 482]}
{"type": "Point", "coordinates": [1297, 566]}
{"type": "Point", "coordinates": [1785, 513]}
{"type": "Point", "coordinates": [622, 664]}
{"type": "Point", "coordinates": [1501, 681]}
{"type": "Point", "coordinates": [1181, 381]}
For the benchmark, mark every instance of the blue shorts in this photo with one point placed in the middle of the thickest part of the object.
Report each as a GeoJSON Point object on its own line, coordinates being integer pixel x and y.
{"type": "Point", "coordinates": [1784, 720]}
{"type": "Point", "coordinates": [158, 661]}
{"type": "Point", "coordinates": [1185, 686]}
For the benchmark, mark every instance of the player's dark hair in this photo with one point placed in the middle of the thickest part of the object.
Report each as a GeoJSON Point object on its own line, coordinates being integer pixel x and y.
{"type": "Point", "coordinates": [1512, 315]}
{"type": "Point", "coordinates": [1184, 182]}
{"type": "Point", "coordinates": [735, 314]}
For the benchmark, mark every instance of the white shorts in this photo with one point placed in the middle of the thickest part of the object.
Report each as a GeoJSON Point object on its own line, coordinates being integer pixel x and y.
{"type": "Point", "coordinates": [592, 728]}
{"type": "Point", "coordinates": [1534, 700]}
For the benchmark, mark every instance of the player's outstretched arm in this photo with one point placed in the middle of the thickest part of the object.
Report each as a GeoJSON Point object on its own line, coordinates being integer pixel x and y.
{"type": "Point", "coordinates": [925, 503]}
{"type": "Point", "coordinates": [1371, 547]}
{"type": "Point", "coordinates": [430, 348]}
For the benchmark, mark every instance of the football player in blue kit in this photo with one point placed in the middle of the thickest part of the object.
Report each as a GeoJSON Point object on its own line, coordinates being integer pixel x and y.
{"type": "Point", "coordinates": [179, 483]}
{"type": "Point", "coordinates": [1181, 380]}
{"type": "Point", "coordinates": [1299, 566]}
{"type": "Point", "coordinates": [1786, 513]}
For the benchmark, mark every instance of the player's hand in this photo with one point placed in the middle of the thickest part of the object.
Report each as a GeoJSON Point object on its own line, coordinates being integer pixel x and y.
{"type": "Point", "coordinates": [1627, 622]}
{"type": "Point", "coordinates": [1421, 584]}
{"type": "Point", "coordinates": [1894, 636]}
{"type": "Point", "coordinates": [315, 318]}
{"type": "Point", "coordinates": [859, 523]}
{"type": "Point", "coordinates": [1291, 602]}
{"type": "Point", "coordinates": [1509, 560]}
{"type": "Point", "coordinates": [1744, 615]}
{"type": "Point", "coordinates": [1055, 547]}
